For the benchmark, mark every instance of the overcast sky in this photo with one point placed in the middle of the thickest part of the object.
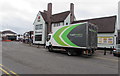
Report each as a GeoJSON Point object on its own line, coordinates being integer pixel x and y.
{"type": "Point", "coordinates": [19, 15]}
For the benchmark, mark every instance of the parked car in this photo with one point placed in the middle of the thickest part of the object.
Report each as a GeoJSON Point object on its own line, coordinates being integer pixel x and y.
{"type": "Point", "coordinates": [116, 51]}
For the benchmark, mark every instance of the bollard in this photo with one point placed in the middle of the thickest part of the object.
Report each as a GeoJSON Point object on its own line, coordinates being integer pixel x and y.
{"type": "Point", "coordinates": [105, 51]}
{"type": "Point", "coordinates": [38, 46]}
{"type": "Point", "coordinates": [111, 51]}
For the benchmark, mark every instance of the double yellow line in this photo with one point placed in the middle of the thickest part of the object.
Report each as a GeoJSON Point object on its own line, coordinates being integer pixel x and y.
{"type": "Point", "coordinates": [7, 71]}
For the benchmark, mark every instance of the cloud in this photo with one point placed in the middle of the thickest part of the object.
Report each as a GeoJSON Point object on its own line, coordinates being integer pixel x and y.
{"type": "Point", "coordinates": [15, 16]}
{"type": "Point", "coordinates": [19, 15]}
{"type": "Point", "coordinates": [17, 24]}
{"type": "Point", "coordinates": [91, 9]}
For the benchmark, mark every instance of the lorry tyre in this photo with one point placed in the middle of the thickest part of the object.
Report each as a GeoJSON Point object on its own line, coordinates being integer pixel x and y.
{"type": "Point", "coordinates": [71, 52]}
{"type": "Point", "coordinates": [91, 52]}
{"type": "Point", "coordinates": [50, 49]}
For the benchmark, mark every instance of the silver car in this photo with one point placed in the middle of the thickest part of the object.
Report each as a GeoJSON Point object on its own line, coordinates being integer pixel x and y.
{"type": "Point", "coordinates": [116, 51]}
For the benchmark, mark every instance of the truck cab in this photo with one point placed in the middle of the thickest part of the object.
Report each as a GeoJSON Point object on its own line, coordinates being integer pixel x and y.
{"type": "Point", "coordinates": [48, 40]}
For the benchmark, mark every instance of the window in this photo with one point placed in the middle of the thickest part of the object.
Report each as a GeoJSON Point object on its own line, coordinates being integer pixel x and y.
{"type": "Point", "coordinates": [54, 25]}
{"type": "Point", "coordinates": [58, 24]}
{"type": "Point", "coordinates": [38, 37]}
{"type": "Point", "coordinates": [49, 37]}
{"type": "Point", "coordinates": [38, 20]}
{"type": "Point", "coordinates": [63, 24]}
{"type": "Point", "coordinates": [66, 23]}
{"type": "Point", "coordinates": [39, 27]}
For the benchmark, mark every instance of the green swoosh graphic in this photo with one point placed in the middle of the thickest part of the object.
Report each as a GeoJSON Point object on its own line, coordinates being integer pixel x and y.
{"type": "Point", "coordinates": [65, 38]}
{"type": "Point", "coordinates": [57, 34]}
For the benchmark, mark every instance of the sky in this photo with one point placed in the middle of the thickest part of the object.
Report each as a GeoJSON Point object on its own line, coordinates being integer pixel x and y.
{"type": "Point", "coordinates": [19, 15]}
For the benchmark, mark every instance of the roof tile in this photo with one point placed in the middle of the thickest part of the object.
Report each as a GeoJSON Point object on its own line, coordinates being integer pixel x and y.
{"type": "Point", "coordinates": [56, 17]}
{"type": "Point", "coordinates": [105, 24]}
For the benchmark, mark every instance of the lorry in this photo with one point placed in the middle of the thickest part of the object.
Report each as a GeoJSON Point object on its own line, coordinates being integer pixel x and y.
{"type": "Point", "coordinates": [75, 39]}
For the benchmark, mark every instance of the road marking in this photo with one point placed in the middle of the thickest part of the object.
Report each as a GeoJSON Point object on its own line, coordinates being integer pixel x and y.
{"type": "Point", "coordinates": [107, 59]}
{"type": "Point", "coordinates": [14, 73]}
{"type": "Point", "coordinates": [7, 71]}
{"type": "Point", "coordinates": [1, 65]}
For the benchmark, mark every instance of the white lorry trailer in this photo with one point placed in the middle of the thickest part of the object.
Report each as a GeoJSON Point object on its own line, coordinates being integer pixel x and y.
{"type": "Point", "coordinates": [75, 39]}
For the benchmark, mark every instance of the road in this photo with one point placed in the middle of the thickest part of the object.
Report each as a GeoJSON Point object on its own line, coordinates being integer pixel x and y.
{"type": "Point", "coordinates": [21, 58]}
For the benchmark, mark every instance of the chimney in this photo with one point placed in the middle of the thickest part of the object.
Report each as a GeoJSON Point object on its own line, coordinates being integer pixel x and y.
{"type": "Point", "coordinates": [71, 12]}
{"type": "Point", "coordinates": [49, 14]}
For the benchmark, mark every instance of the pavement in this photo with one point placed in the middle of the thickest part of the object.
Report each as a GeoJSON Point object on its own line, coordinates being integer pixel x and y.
{"type": "Point", "coordinates": [22, 58]}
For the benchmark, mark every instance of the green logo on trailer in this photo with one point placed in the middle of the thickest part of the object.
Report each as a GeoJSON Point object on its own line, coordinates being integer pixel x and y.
{"type": "Point", "coordinates": [61, 36]}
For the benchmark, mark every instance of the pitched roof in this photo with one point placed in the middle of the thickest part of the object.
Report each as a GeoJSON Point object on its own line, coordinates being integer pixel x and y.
{"type": "Point", "coordinates": [59, 17]}
{"type": "Point", "coordinates": [44, 15]}
{"type": "Point", "coordinates": [8, 31]}
{"type": "Point", "coordinates": [105, 24]}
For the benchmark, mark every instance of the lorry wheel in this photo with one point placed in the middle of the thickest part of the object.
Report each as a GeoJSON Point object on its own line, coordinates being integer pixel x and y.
{"type": "Point", "coordinates": [90, 52]}
{"type": "Point", "coordinates": [50, 49]}
{"type": "Point", "coordinates": [71, 52]}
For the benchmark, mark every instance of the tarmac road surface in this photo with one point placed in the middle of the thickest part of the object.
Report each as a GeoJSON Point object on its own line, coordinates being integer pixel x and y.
{"type": "Point", "coordinates": [21, 58]}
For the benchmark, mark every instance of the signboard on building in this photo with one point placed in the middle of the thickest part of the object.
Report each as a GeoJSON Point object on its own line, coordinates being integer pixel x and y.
{"type": "Point", "coordinates": [38, 19]}
{"type": "Point", "coordinates": [105, 40]}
